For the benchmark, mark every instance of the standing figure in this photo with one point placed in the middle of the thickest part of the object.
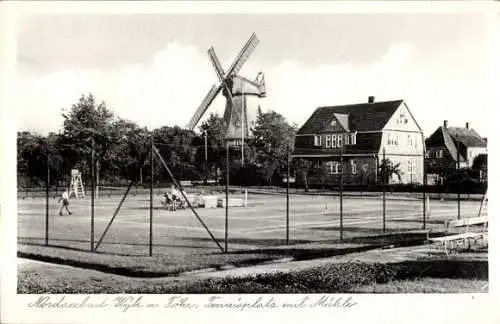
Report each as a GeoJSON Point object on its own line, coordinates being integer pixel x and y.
{"type": "Point", "coordinates": [65, 202]}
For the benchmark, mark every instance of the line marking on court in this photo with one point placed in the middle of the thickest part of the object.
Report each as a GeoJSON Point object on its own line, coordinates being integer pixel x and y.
{"type": "Point", "coordinates": [191, 228]}
{"type": "Point", "coordinates": [304, 225]}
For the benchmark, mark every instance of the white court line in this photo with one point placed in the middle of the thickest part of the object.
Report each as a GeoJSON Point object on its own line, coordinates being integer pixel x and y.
{"type": "Point", "coordinates": [192, 228]}
{"type": "Point", "coordinates": [359, 220]}
{"type": "Point", "coordinates": [301, 225]}
{"type": "Point", "coordinates": [362, 220]}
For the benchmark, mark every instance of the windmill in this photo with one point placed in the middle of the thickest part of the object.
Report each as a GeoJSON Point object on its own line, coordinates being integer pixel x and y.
{"type": "Point", "coordinates": [235, 88]}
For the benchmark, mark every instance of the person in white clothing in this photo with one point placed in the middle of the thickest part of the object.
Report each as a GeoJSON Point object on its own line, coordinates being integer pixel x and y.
{"type": "Point", "coordinates": [65, 202]}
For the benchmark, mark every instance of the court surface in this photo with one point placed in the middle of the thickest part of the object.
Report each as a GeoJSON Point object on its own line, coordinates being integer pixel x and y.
{"type": "Point", "coordinates": [259, 225]}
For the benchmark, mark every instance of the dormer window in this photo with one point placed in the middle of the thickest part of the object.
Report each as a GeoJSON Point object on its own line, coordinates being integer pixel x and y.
{"type": "Point", "coordinates": [333, 123]}
{"type": "Point", "coordinates": [317, 140]}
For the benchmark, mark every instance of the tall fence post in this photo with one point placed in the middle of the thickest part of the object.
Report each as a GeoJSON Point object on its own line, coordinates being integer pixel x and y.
{"type": "Point", "coordinates": [205, 165]}
{"type": "Point", "coordinates": [384, 180]}
{"type": "Point", "coordinates": [47, 180]}
{"type": "Point", "coordinates": [424, 194]}
{"type": "Point", "coordinates": [151, 201]}
{"type": "Point", "coordinates": [287, 194]}
{"type": "Point", "coordinates": [92, 174]}
{"type": "Point", "coordinates": [482, 202]}
{"type": "Point", "coordinates": [341, 187]}
{"type": "Point", "coordinates": [226, 223]}
{"type": "Point", "coordinates": [458, 183]}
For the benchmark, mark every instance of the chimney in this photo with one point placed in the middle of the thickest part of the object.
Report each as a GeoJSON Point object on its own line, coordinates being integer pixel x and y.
{"type": "Point", "coordinates": [467, 125]}
{"type": "Point", "coordinates": [445, 124]}
{"type": "Point", "coordinates": [371, 99]}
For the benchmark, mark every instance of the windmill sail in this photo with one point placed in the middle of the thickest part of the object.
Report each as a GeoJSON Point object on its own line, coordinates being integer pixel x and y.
{"type": "Point", "coordinates": [216, 63]}
{"type": "Point", "coordinates": [233, 87]}
{"type": "Point", "coordinates": [204, 106]}
{"type": "Point", "coordinates": [243, 55]}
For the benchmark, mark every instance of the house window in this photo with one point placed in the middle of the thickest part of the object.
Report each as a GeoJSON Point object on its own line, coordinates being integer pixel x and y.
{"type": "Point", "coordinates": [333, 167]}
{"type": "Point", "coordinates": [334, 140]}
{"type": "Point", "coordinates": [347, 137]}
{"type": "Point", "coordinates": [439, 154]}
{"type": "Point", "coordinates": [392, 139]}
{"type": "Point", "coordinates": [353, 139]}
{"type": "Point", "coordinates": [410, 140]}
{"type": "Point", "coordinates": [317, 140]}
{"type": "Point", "coordinates": [327, 141]}
{"type": "Point", "coordinates": [415, 140]}
{"type": "Point", "coordinates": [427, 154]}
{"type": "Point", "coordinates": [412, 166]}
{"type": "Point", "coordinates": [339, 140]}
{"type": "Point", "coordinates": [353, 167]}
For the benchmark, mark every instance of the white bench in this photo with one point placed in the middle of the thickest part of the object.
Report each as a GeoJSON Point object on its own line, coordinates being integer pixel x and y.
{"type": "Point", "coordinates": [210, 201]}
{"type": "Point", "coordinates": [186, 183]}
{"type": "Point", "coordinates": [452, 242]}
{"type": "Point", "coordinates": [232, 202]}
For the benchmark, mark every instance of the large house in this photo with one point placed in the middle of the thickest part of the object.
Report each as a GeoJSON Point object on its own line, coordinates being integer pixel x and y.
{"type": "Point", "coordinates": [447, 145]}
{"type": "Point", "coordinates": [366, 133]}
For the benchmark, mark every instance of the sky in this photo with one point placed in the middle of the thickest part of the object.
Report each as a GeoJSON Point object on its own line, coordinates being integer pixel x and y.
{"type": "Point", "coordinates": [154, 69]}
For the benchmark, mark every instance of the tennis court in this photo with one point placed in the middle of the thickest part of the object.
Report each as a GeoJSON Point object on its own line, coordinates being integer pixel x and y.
{"type": "Point", "coordinates": [261, 224]}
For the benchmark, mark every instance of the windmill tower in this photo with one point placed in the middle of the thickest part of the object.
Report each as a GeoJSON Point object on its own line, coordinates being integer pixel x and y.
{"type": "Point", "coordinates": [235, 88]}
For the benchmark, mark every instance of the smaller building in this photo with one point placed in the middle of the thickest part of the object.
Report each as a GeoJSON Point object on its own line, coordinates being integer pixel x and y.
{"type": "Point", "coordinates": [450, 148]}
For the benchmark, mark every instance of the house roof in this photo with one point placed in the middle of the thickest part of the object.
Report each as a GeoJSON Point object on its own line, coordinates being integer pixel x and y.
{"type": "Point", "coordinates": [442, 137]}
{"type": "Point", "coordinates": [362, 117]}
{"type": "Point", "coordinates": [467, 136]}
{"type": "Point", "coordinates": [450, 145]}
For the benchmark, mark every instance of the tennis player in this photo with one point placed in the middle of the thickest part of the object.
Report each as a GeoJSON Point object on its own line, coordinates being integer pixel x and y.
{"type": "Point", "coordinates": [65, 202]}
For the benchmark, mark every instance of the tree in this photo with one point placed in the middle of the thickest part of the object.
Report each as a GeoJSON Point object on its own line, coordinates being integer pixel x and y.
{"type": "Point", "coordinates": [480, 163]}
{"type": "Point", "coordinates": [272, 139]}
{"type": "Point", "coordinates": [129, 155]}
{"type": "Point", "coordinates": [84, 122]}
{"type": "Point", "coordinates": [215, 129]}
{"type": "Point", "coordinates": [387, 169]}
{"type": "Point", "coordinates": [175, 146]}
{"type": "Point", "coordinates": [303, 166]}
{"type": "Point", "coordinates": [30, 158]}
{"type": "Point", "coordinates": [33, 153]}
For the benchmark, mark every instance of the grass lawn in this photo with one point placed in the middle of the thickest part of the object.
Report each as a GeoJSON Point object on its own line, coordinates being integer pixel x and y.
{"type": "Point", "coordinates": [141, 266]}
{"type": "Point", "coordinates": [426, 285]}
{"type": "Point", "coordinates": [177, 260]}
{"type": "Point", "coordinates": [421, 276]}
